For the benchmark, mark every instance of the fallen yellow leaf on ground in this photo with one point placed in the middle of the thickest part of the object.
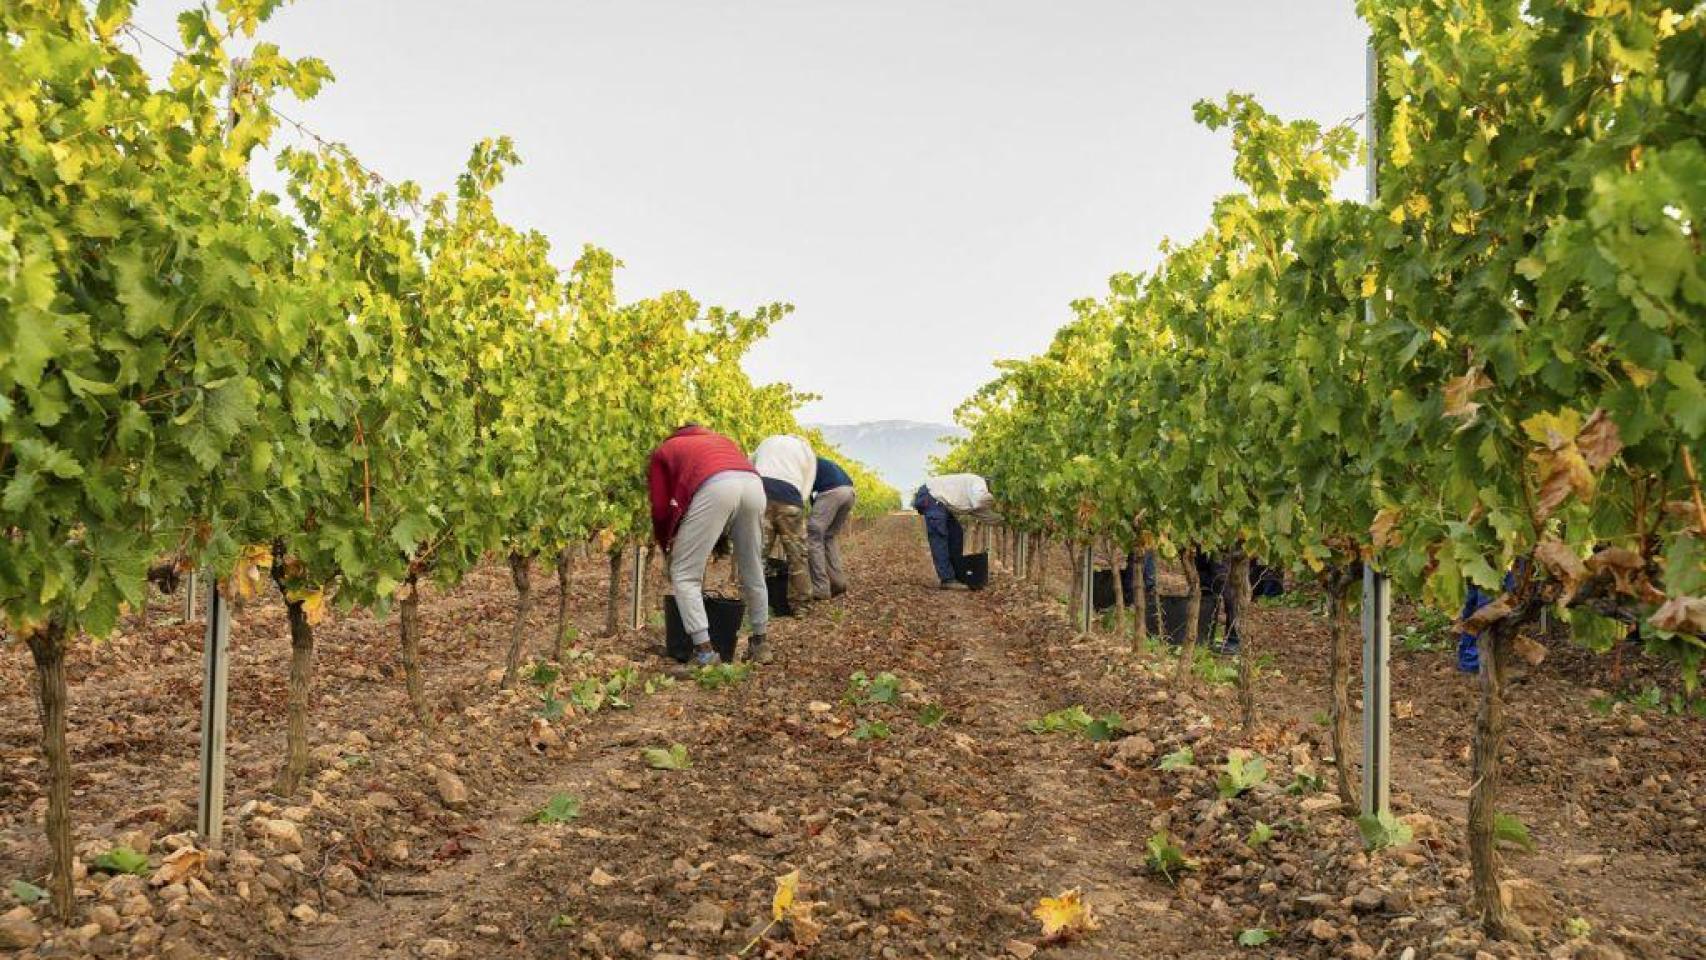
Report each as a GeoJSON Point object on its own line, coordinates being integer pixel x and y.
{"type": "Point", "coordinates": [1065, 916]}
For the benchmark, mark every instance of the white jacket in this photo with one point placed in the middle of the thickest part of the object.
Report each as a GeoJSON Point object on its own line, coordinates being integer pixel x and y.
{"type": "Point", "coordinates": [788, 458]}
{"type": "Point", "coordinates": [963, 493]}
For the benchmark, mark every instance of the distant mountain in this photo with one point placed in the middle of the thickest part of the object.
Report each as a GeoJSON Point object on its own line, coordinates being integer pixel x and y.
{"type": "Point", "coordinates": [899, 450]}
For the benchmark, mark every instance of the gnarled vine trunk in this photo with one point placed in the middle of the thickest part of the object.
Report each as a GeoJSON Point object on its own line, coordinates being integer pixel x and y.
{"type": "Point", "coordinates": [1193, 613]}
{"type": "Point", "coordinates": [1486, 895]}
{"type": "Point", "coordinates": [289, 779]}
{"type": "Point", "coordinates": [1338, 585]}
{"type": "Point", "coordinates": [565, 629]}
{"type": "Point", "coordinates": [521, 573]}
{"type": "Point", "coordinates": [1238, 601]}
{"type": "Point", "coordinates": [47, 644]}
{"type": "Point", "coordinates": [613, 593]}
{"type": "Point", "coordinates": [1139, 605]}
{"type": "Point", "coordinates": [1075, 599]}
{"type": "Point", "coordinates": [409, 635]}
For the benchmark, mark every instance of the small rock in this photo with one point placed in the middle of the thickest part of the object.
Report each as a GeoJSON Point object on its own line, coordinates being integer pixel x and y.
{"type": "Point", "coordinates": [1368, 900]}
{"type": "Point", "coordinates": [18, 929]}
{"type": "Point", "coordinates": [281, 833]}
{"type": "Point", "coordinates": [106, 917]}
{"type": "Point", "coordinates": [437, 947]}
{"type": "Point", "coordinates": [303, 913]}
{"type": "Point", "coordinates": [452, 792]}
{"type": "Point", "coordinates": [631, 942]}
{"type": "Point", "coordinates": [599, 878]}
{"type": "Point", "coordinates": [705, 917]}
{"type": "Point", "coordinates": [397, 851]}
{"type": "Point", "coordinates": [818, 706]}
{"type": "Point", "coordinates": [624, 779]}
{"type": "Point", "coordinates": [1020, 950]}
{"type": "Point", "coordinates": [763, 823]}
{"type": "Point", "coordinates": [1133, 751]}
{"type": "Point", "coordinates": [1322, 930]}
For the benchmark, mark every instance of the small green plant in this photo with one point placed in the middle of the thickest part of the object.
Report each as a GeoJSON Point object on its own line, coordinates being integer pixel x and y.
{"type": "Point", "coordinates": [1076, 719]}
{"type": "Point", "coordinates": [561, 808]}
{"type": "Point", "coordinates": [588, 695]}
{"type": "Point", "coordinates": [1183, 758]}
{"type": "Point", "coordinates": [543, 675]}
{"type": "Point", "coordinates": [1213, 669]}
{"type": "Point", "coordinates": [562, 921]}
{"type": "Point", "coordinates": [1507, 828]}
{"type": "Point", "coordinates": [1165, 857]}
{"type": "Point", "coordinates": [1073, 719]}
{"type": "Point", "coordinates": [1259, 834]}
{"type": "Point", "coordinates": [1382, 831]}
{"type": "Point", "coordinates": [865, 690]}
{"type": "Point", "coordinates": [1321, 718]}
{"type": "Point", "coordinates": [672, 758]}
{"type": "Point", "coordinates": [1578, 928]}
{"type": "Point", "coordinates": [931, 715]}
{"type": "Point", "coordinates": [1240, 772]}
{"type": "Point", "coordinates": [871, 730]}
{"type": "Point", "coordinates": [722, 675]}
{"type": "Point", "coordinates": [121, 859]}
{"type": "Point", "coordinates": [659, 682]}
{"type": "Point", "coordinates": [27, 893]}
{"type": "Point", "coordinates": [1303, 782]}
{"type": "Point", "coordinates": [1255, 937]}
{"type": "Point", "coordinates": [1430, 632]}
{"type": "Point", "coordinates": [354, 760]}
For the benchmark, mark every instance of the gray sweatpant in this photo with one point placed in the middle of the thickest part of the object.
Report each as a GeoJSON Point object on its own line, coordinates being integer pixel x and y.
{"type": "Point", "coordinates": [733, 501]}
{"type": "Point", "coordinates": [830, 511]}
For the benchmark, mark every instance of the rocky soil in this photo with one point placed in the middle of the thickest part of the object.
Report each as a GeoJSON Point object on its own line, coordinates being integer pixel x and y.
{"type": "Point", "coordinates": [923, 817]}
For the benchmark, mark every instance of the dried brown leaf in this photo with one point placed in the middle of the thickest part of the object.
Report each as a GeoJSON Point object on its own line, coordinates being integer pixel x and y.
{"type": "Point", "coordinates": [1599, 440]}
{"type": "Point", "coordinates": [1682, 615]}
{"type": "Point", "coordinates": [1488, 615]}
{"type": "Point", "coordinates": [1460, 394]}
{"type": "Point", "coordinates": [179, 866]}
{"type": "Point", "coordinates": [1562, 562]}
{"type": "Point", "coordinates": [1624, 565]}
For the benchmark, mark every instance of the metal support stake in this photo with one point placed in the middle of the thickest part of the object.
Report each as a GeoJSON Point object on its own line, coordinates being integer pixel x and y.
{"type": "Point", "coordinates": [211, 813]}
{"type": "Point", "coordinates": [639, 585]}
{"type": "Point", "coordinates": [1376, 593]}
{"type": "Point", "coordinates": [1086, 588]}
{"type": "Point", "coordinates": [189, 597]}
{"type": "Point", "coordinates": [1376, 693]}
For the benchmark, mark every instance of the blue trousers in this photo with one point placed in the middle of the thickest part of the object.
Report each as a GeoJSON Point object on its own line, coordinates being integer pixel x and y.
{"type": "Point", "coordinates": [947, 540]}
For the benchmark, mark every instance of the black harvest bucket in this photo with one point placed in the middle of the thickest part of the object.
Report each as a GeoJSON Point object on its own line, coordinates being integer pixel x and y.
{"type": "Point", "coordinates": [776, 583]}
{"type": "Point", "coordinates": [973, 570]}
{"type": "Point", "coordinates": [725, 617]}
{"type": "Point", "coordinates": [1173, 613]}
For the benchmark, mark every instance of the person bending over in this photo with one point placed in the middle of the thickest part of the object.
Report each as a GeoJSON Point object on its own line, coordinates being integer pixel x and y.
{"type": "Point", "coordinates": [943, 501]}
{"type": "Point", "coordinates": [789, 468]}
{"type": "Point", "coordinates": [702, 485]}
{"type": "Point", "coordinates": [832, 504]}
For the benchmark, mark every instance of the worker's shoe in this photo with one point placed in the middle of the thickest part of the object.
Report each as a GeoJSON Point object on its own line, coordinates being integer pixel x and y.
{"type": "Point", "coordinates": [837, 591]}
{"type": "Point", "coordinates": [953, 585]}
{"type": "Point", "coordinates": [702, 657]}
{"type": "Point", "coordinates": [758, 650]}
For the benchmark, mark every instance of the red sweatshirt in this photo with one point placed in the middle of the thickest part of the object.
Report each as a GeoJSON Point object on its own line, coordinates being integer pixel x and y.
{"type": "Point", "coordinates": [680, 466]}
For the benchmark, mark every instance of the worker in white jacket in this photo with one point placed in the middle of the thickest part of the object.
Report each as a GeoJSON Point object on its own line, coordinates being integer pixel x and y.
{"type": "Point", "coordinates": [942, 501]}
{"type": "Point", "coordinates": [788, 466]}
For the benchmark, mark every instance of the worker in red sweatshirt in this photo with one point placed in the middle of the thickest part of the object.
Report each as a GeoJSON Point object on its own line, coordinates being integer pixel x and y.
{"type": "Point", "coordinates": [701, 487]}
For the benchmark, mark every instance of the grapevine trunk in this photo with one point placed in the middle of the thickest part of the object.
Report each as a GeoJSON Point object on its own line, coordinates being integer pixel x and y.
{"type": "Point", "coordinates": [1193, 612]}
{"type": "Point", "coordinates": [613, 593]}
{"type": "Point", "coordinates": [1486, 897]}
{"type": "Point", "coordinates": [565, 629]}
{"type": "Point", "coordinates": [47, 646]}
{"type": "Point", "coordinates": [521, 572]}
{"type": "Point", "coordinates": [1237, 602]}
{"type": "Point", "coordinates": [409, 635]}
{"type": "Point", "coordinates": [289, 778]}
{"type": "Point", "coordinates": [1338, 586]}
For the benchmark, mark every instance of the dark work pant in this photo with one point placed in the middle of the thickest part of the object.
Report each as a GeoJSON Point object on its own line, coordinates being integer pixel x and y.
{"type": "Point", "coordinates": [947, 540]}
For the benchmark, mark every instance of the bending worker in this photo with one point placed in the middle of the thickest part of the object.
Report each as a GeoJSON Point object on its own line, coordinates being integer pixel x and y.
{"type": "Point", "coordinates": [701, 486]}
{"type": "Point", "coordinates": [942, 501]}
{"type": "Point", "coordinates": [789, 468]}
{"type": "Point", "coordinates": [832, 504]}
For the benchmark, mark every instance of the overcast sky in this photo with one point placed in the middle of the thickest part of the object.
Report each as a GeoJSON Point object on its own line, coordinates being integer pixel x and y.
{"type": "Point", "coordinates": [929, 182]}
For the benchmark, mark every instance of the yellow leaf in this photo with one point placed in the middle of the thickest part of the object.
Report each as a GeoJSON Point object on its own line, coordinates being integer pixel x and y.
{"type": "Point", "coordinates": [787, 886]}
{"type": "Point", "coordinates": [1638, 375]}
{"type": "Point", "coordinates": [1065, 916]}
{"type": "Point", "coordinates": [1370, 284]}
{"type": "Point", "coordinates": [252, 561]}
{"type": "Point", "coordinates": [313, 604]}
